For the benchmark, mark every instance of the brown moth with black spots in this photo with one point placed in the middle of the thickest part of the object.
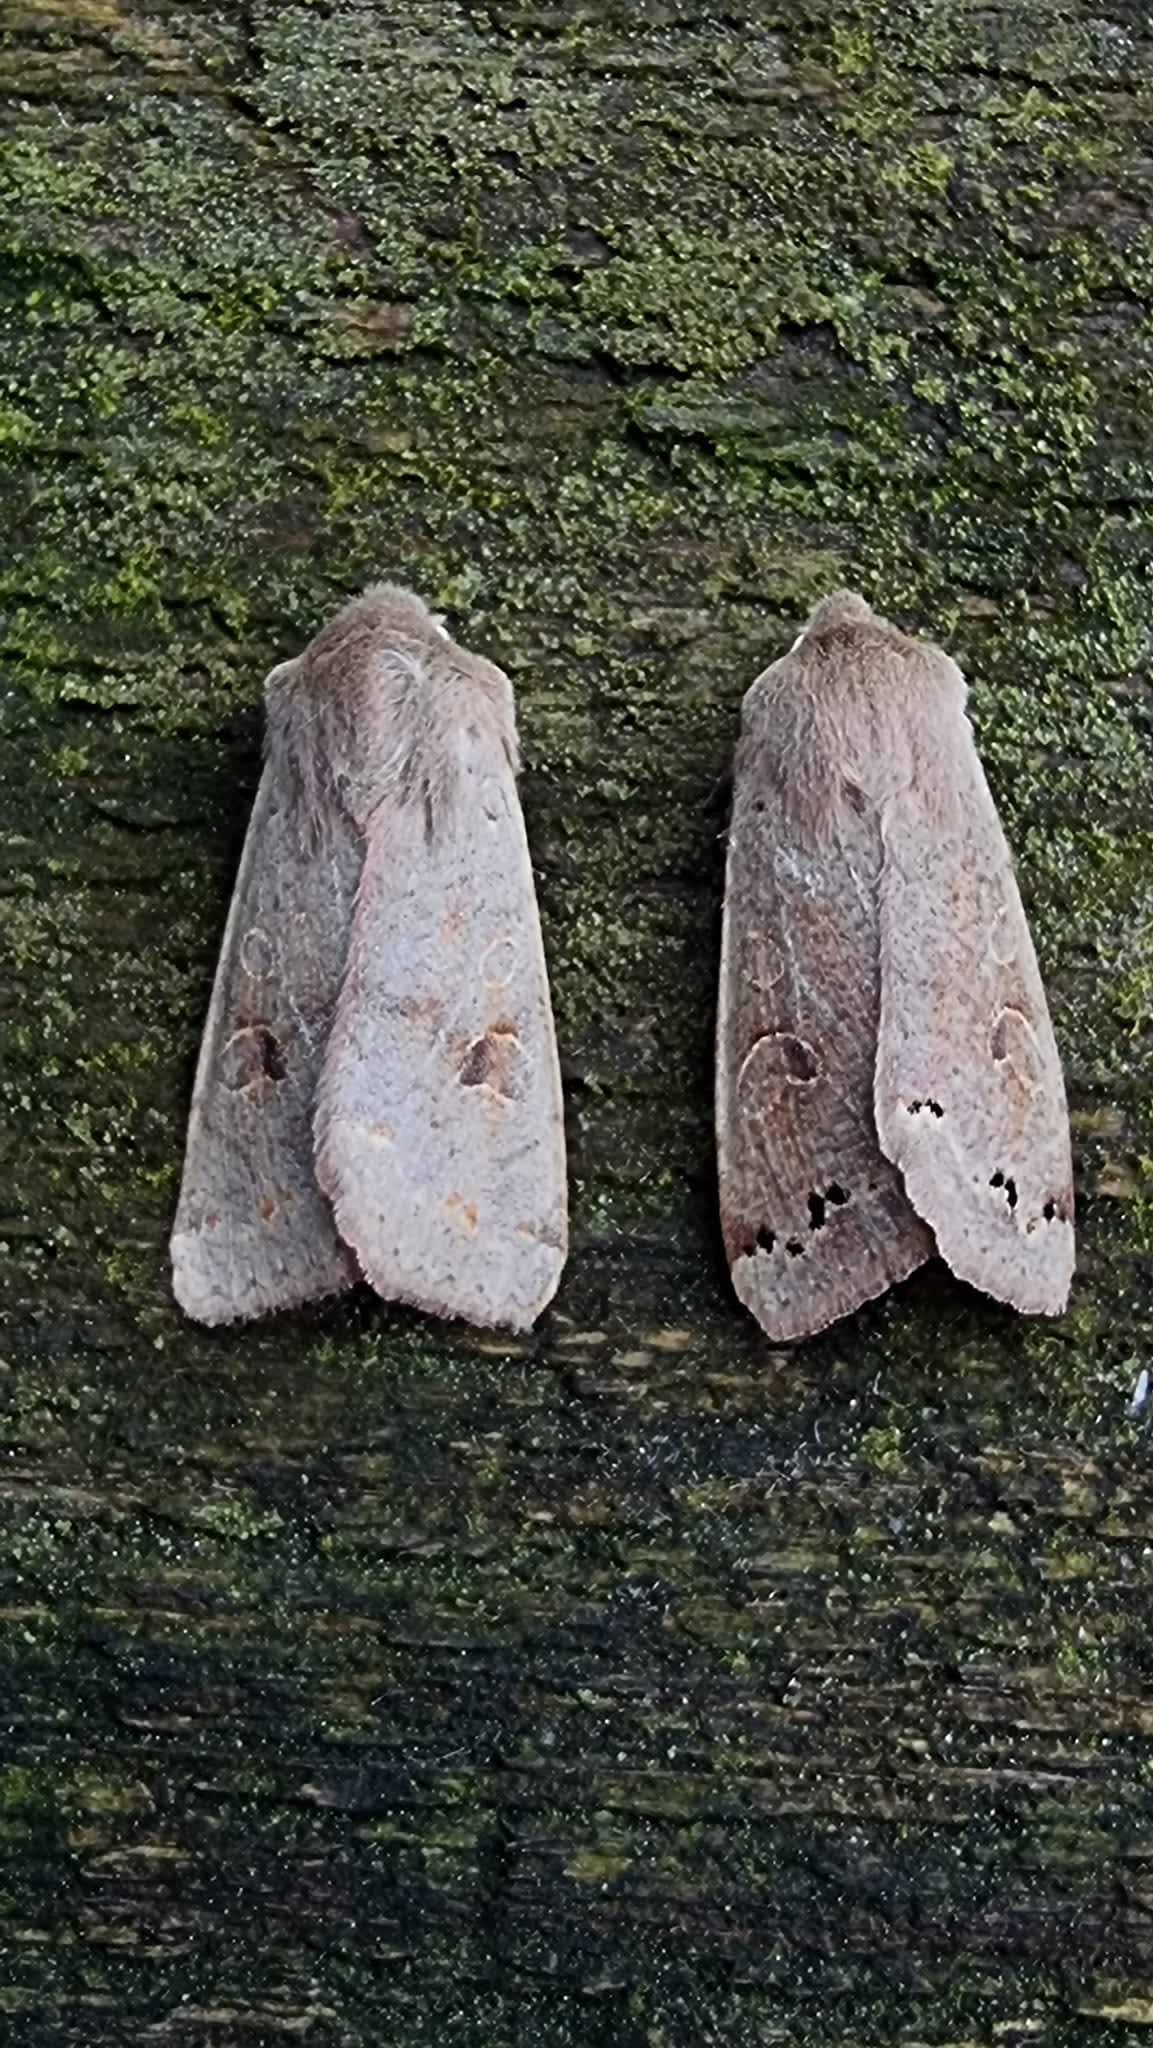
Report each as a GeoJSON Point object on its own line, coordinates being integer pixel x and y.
{"type": "Point", "coordinates": [888, 1084]}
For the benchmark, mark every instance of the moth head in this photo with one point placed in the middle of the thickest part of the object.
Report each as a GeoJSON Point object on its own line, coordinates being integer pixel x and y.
{"type": "Point", "coordinates": [845, 642]}
{"type": "Point", "coordinates": [842, 608]}
{"type": "Point", "coordinates": [392, 609]}
{"type": "Point", "coordinates": [376, 709]}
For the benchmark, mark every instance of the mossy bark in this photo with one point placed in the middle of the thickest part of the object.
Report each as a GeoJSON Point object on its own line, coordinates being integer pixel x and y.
{"type": "Point", "coordinates": [371, 1682]}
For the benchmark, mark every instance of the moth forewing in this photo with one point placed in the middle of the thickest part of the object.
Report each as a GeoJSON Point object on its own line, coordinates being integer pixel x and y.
{"type": "Point", "coordinates": [440, 1130]}
{"type": "Point", "coordinates": [253, 1232]}
{"type": "Point", "coordinates": [970, 1097]}
{"type": "Point", "coordinates": [814, 1218]}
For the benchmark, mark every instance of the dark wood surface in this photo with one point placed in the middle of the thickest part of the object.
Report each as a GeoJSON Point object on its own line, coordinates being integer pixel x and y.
{"type": "Point", "coordinates": [368, 1682]}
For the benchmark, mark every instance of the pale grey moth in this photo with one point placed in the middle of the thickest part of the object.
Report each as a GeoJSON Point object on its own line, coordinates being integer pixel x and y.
{"type": "Point", "coordinates": [888, 1084]}
{"type": "Point", "coordinates": [378, 1090]}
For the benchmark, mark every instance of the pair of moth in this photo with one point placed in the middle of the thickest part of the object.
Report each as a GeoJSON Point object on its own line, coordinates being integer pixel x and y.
{"type": "Point", "coordinates": [378, 1092]}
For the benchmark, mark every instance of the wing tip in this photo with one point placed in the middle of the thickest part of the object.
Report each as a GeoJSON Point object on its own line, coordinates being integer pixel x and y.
{"type": "Point", "coordinates": [1021, 1251]}
{"type": "Point", "coordinates": [439, 1286]}
{"type": "Point", "coordinates": [200, 1295]}
{"type": "Point", "coordinates": [1043, 1292]}
{"type": "Point", "coordinates": [444, 1297]}
{"type": "Point", "coordinates": [409, 1251]}
{"type": "Point", "coordinates": [1029, 1270]}
{"type": "Point", "coordinates": [783, 1322]}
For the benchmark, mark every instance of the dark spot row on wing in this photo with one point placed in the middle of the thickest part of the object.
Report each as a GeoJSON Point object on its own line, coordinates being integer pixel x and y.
{"type": "Point", "coordinates": [834, 1196]}
{"type": "Point", "coordinates": [1050, 1210]}
{"type": "Point", "coordinates": [818, 1204]}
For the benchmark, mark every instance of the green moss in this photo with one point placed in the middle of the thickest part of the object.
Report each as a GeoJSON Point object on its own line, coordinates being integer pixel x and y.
{"type": "Point", "coordinates": [597, 1866]}
{"type": "Point", "coordinates": [881, 1448]}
